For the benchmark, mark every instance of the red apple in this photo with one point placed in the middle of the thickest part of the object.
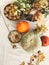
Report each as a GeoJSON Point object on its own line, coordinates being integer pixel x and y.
{"type": "Point", "coordinates": [45, 40]}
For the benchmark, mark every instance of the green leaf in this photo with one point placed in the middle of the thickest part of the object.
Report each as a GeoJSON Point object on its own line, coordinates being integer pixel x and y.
{"type": "Point", "coordinates": [17, 3]}
{"type": "Point", "coordinates": [25, 1]}
{"type": "Point", "coordinates": [32, 0]}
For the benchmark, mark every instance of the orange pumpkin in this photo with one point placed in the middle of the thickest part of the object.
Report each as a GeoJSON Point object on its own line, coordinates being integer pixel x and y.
{"type": "Point", "coordinates": [22, 26]}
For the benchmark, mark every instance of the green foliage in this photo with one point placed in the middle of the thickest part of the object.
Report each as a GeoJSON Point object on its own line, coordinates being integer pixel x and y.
{"type": "Point", "coordinates": [25, 1]}
{"type": "Point", "coordinates": [17, 4]}
{"type": "Point", "coordinates": [45, 12]}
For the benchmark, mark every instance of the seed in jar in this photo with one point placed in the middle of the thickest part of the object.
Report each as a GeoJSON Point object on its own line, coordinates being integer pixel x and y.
{"type": "Point", "coordinates": [11, 4]}
{"type": "Point", "coordinates": [6, 15]}
{"type": "Point", "coordinates": [14, 36]}
{"type": "Point", "coordinates": [5, 12]}
{"type": "Point", "coordinates": [10, 14]}
{"type": "Point", "coordinates": [10, 17]}
{"type": "Point", "coordinates": [13, 13]}
{"type": "Point", "coordinates": [14, 18]}
{"type": "Point", "coordinates": [7, 9]}
{"type": "Point", "coordinates": [12, 10]}
{"type": "Point", "coordinates": [18, 17]}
